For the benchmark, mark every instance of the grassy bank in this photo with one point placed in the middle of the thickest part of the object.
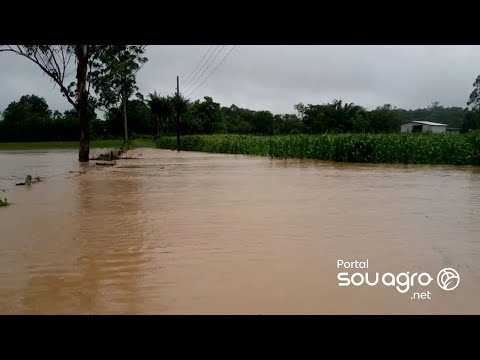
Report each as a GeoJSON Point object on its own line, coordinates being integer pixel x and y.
{"type": "Point", "coordinates": [94, 144]}
{"type": "Point", "coordinates": [375, 148]}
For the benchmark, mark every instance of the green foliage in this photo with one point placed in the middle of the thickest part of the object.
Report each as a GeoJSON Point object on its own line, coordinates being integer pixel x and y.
{"type": "Point", "coordinates": [472, 121]}
{"type": "Point", "coordinates": [30, 119]}
{"type": "Point", "coordinates": [202, 117]}
{"type": "Point", "coordinates": [474, 99]}
{"type": "Point", "coordinates": [180, 104]}
{"type": "Point", "coordinates": [375, 148]}
{"type": "Point", "coordinates": [333, 118]}
{"type": "Point", "coordinates": [162, 109]}
{"type": "Point", "coordinates": [113, 77]}
{"type": "Point", "coordinates": [383, 120]}
{"type": "Point", "coordinates": [113, 74]}
{"type": "Point", "coordinates": [139, 119]}
{"type": "Point", "coordinates": [287, 124]}
{"type": "Point", "coordinates": [4, 202]}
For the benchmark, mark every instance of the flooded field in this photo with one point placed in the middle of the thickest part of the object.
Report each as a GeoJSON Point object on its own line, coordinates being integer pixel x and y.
{"type": "Point", "coordinates": [196, 233]}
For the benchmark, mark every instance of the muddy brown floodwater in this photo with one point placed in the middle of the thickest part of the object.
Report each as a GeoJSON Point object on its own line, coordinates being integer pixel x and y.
{"type": "Point", "coordinates": [195, 233]}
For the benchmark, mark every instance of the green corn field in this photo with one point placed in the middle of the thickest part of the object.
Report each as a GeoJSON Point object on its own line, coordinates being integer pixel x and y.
{"type": "Point", "coordinates": [461, 149]}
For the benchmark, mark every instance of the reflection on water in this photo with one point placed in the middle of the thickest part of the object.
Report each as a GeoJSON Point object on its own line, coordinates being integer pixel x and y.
{"type": "Point", "coordinates": [172, 232]}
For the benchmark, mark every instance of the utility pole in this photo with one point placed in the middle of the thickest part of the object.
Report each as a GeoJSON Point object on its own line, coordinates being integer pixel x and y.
{"type": "Point", "coordinates": [178, 115]}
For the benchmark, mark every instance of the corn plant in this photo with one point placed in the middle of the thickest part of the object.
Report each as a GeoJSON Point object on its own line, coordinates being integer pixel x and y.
{"type": "Point", "coordinates": [461, 149]}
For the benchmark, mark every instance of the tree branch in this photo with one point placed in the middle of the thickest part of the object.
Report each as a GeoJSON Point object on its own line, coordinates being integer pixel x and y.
{"type": "Point", "coordinates": [42, 60]}
{"type": "Point", "coordinates": [59, 71]}
{"type": "Point", "coordinates": [94, 49]}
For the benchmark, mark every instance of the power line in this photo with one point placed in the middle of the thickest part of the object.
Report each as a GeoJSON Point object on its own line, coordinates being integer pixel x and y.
{"type": "Point", "coordinates": [196, 67]}
{"type": "Point", "coordinates": [220, 63]}
{"type": "Point", "coordinates": [203, 72]}
{"type": "Point", "coordinates": [203, 65]}
{"type": "Point", "coordinates": [216, 67]}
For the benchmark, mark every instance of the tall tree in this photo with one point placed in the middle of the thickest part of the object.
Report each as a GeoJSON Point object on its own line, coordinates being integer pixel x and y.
{"type": "Point", "coordinates": [204, 116]}
{"type": "Point", "coordinates": [18, 111]}
{"type": "Point", "coordinates": [113, 76]}
{"type": "Point", "coordinates": [384, 119]}
{"type": "Point", "coordinates": [475, 95]}
{"type": "Point", "coordinates": [54, 61]}
{"type": "Point", "coordinates": [28, 119]}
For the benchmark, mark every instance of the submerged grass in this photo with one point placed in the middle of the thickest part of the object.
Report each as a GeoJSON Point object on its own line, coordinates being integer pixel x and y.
{"type": "Point", "coordinates": [374, 148]}
{"type": "Point", "coordinates": [4, 202]}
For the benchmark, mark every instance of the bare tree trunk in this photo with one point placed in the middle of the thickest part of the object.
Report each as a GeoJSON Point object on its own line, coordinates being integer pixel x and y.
{"type": "Point", "coordinates": [82, 106]}
{"type": "Point", "coordinates": [124, 101]}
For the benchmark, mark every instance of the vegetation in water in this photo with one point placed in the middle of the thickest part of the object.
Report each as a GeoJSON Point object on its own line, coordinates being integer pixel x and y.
{"type": "Point", "coordinates": [109, 156]}
{"type": "Point", "coordinates": [4, 202]}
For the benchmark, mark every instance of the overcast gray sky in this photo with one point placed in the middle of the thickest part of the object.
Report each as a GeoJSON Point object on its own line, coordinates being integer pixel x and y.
{"type": "Point", "coordinates": [267, 77]}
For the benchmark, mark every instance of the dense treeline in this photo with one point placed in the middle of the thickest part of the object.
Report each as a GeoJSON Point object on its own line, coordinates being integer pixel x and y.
{"type": "Point", "coordinates": [31, 119]}
{"type": "Point", "coordinates": [208, 117]}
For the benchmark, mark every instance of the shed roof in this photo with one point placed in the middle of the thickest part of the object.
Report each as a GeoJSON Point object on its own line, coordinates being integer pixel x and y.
{"type": "Point", "coordinates": [426, 123]}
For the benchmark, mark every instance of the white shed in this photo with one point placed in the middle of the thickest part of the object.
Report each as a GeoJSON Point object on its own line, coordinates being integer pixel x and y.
{"type": "Point", "coordinates": [423, 127]}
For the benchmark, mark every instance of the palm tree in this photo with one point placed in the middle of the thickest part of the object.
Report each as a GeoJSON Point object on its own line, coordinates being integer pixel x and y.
{"type": "Point", "coordinates": [161, 108]}
{"type": "Point", "coordinates": [345, 114]}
